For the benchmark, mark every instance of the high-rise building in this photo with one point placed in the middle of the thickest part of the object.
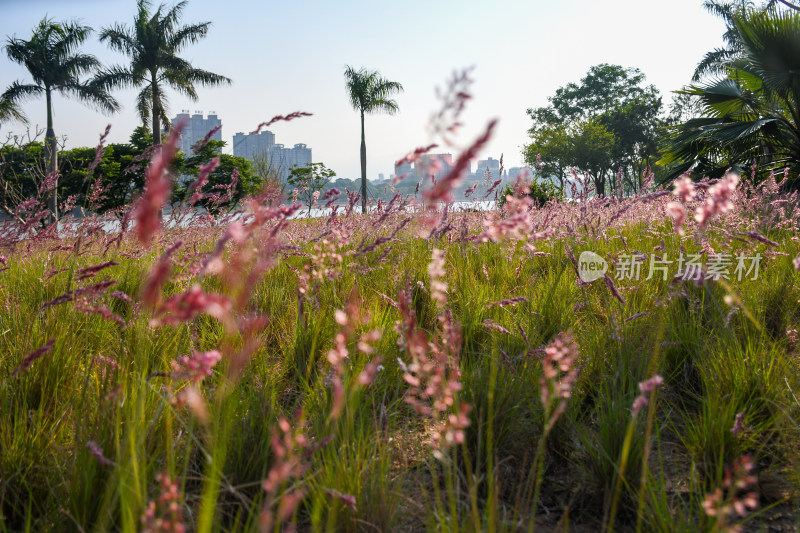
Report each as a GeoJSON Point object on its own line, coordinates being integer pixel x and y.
{"type": "Point", "coordinates": [197, 127]}
{"type": "Point", "coordinates": [403, 169]}
{"type": "Point", "coordinates": [490, 165]}
{"type": "Point", "coordinates": [250, 145]}
{"type": "Point", "coordinates": [277, 156]}
{"type": "Point", "coordinates": [437, 164]}
{"type": "Point", "coordinates": [297, 156]}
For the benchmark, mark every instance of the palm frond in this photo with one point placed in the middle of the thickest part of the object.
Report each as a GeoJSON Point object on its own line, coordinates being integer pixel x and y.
{"type": "Point", "coordinates": [10, 111]}
{"type": "Point", "coordinates": [93, 95]}
{"type": "Point", "coordinates": [187, 35]}
{"type": "Point", "coordinates": [18, 92]}
{"type": "Point", "coordinates": [368, 92]}
{"type": "Point", "coordinates": [144, 103]}
{"type": "Point", "coordinates": [119, 39]}
{"type": "Point", "coordinates": [115, 77]}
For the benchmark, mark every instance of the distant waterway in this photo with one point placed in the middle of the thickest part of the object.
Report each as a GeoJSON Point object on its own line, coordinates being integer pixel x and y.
{"type": "Point", "coordinates": [70, 225]}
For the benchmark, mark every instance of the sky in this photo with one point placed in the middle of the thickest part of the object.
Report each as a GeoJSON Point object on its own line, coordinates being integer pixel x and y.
{"type": "Point", "coordinates": [291, 55]}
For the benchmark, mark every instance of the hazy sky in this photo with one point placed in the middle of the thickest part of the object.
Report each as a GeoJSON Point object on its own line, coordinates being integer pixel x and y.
{"type": "Point", "coordinates": [290, 56]}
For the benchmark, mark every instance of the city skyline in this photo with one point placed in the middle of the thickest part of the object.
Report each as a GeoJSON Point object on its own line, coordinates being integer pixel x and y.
{"type": "Point", "coordinates": [522, 53]}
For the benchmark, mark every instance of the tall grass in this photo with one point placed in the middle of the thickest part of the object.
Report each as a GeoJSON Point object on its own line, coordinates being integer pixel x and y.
{"type": "Point", "coordinates": [403, 371]}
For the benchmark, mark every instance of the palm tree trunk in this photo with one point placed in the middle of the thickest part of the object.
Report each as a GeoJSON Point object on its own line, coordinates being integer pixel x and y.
{"type": "Point", "coordinates": [363, 167]}
{"type": "Point", "coordinates": [156, 124]}
{"type": "Point", "coordinates": [51, 152]}
{"type": "Point", "coordinates": [156, 112]}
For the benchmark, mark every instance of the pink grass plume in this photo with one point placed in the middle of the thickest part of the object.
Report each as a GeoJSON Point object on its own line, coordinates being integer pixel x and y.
{"type": "Point", "coordinates": [441, 191]}
{"type": "Point", "coordinates": [278, 118]}
{"type": "Point", "coordinates": [38, 353]}
{"type": "Point", "coordinates": [97, 452]}
{"type": "Point", "coordinates": [158, 275]}
{"type": "Point", "coordinates": [195, 367]}
{"type": "Point", "coordinates": [147, 212]}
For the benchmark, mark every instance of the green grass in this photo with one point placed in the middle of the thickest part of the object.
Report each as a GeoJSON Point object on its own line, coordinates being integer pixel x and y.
{"type": "Point", "coordinates": [598, 467]}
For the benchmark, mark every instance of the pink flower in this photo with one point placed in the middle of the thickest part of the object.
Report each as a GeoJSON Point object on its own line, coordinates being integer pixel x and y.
{"type": "Point", "coordinates": [436, 271]}
{"type": "Point", "coordinates": [559, 375]}
{"type": "Point", "coordinates": [186, 306]}
{"type": "Point", "coordinates": [147, 212]}
{"type": "Point", "coordinates": [158, 275]}
{"type": "Point", "coordinates": [718, 200]}
{"type": "Point", "coordinates": [647, 387]}
{"type": "Point", "coordinates": [90, 271]}
{"type": "Point", "coordinates": [638, 404]}
{"type": "Point", "coordinates": [277, 118]}
{"type": "Point", "coordinates": [95, 450]}
{"type": "Point", "coordinates": [684, 189]}
{"type": "Point", "coordinates": [196, 367]}
{"type": "Point", "coordinates": [738, 425]}
{"type": "Point", "coordinates": [651, 384]}
{"type": "Point", "coordinates": [202, 178]}
{"type": "Point", "coordinates": [347, 499]}
{"type": "Point", "coordinates": [676, 211]}
{"type": "Point", "coordinates": [164, 515]}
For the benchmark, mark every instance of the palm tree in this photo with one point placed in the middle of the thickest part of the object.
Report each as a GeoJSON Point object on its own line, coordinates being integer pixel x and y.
{"type": "Point", "coordinates": [369, 93]}
{"type": "Point", "coordinates": [713, 63]}
{"type": "Point", "coordinates": [753, 114]}
{"type": "Point", "coordinates": [52, 58]}
{"type": "Point", "coordinates": [716, 61]}
{"type": "Point", "coordinates": [152, 45]}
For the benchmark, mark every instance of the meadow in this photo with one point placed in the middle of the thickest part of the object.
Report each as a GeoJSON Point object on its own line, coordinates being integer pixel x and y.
{"type": "Point", "coordinates": [406, 369]}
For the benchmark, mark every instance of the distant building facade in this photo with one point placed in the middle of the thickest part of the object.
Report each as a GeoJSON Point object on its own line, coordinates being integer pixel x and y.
{"type": "Point", "coordinates": [403, 169]}
{"type": "Point", "coordinates": [513, 172]}
{"type": "Point", "coordinates": [438, 165]}
{"type": "Point", "coordinates": [490, 165]}
{"type": "Point", "coordinates": [280, 158]}
{"type": "Point", "coordinates": [250, 145]}
{"type": "Point", "coordinates": [197, 127]}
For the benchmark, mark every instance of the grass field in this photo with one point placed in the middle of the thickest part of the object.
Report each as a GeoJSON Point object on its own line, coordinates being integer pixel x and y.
{"type": "Point", "coordinates": [407, 372]}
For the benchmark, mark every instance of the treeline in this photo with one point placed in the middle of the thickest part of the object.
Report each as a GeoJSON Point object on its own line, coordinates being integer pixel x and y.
{"type": "Point", "coordinates": [108, 177]}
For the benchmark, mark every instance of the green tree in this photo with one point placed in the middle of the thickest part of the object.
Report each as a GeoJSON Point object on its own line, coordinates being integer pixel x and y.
{"type": "Point", "coordinates": [22, 168]}
{"type": "Point", "coordinates": [152, 45]}
{"type": "Point", "coordinates": [54, 62]}
{"type": "Point", "coordinates": [308, 180]}
{"type": "Point", "coordinates": [610, 110]}
{"type": "Point", "coordinates": [593, 147]}
{"type": "Point", "coordinates": [753, 114]}
{"type": "Point", "coordinates": [550, 150]}
{"type": "Point", "coordinates": [369, 93]}
{"type": "Point", "coordinates": [120, 171]}
{"type": "Point", "coordinates": [217, 190]}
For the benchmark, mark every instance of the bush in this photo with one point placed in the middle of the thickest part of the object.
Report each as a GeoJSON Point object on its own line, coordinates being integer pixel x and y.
{"type": "Point", "coordinates": [541, 192]}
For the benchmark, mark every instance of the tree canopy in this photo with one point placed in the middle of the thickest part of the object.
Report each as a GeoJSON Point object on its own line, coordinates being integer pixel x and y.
{"type": "Point", "coordinates": [308, 180]}
{"type": "Point", "coordinates": [605, 125]}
